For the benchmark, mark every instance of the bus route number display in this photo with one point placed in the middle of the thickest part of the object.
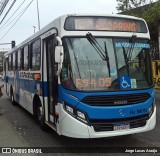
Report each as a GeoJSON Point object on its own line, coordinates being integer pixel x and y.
{"type": "Point", "coordinates": [105, 24]}
{"type": "Point", "coordinates": [100, 83]}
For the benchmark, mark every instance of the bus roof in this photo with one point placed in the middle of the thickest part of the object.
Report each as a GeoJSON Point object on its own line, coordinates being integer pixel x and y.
{"type": "Point", "coordinates": [61, 19]}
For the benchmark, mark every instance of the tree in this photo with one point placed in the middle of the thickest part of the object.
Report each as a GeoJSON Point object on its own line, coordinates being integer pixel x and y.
{"type": "Point", "coordinates": [124, 5]}
{"type": "Point", "coordinates": [151, 14]}
{"type": "Point", "coordinates": [138, 3]}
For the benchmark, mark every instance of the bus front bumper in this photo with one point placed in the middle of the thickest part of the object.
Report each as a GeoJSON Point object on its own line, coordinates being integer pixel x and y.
{"type": "Point", "coordinates": [71, 127]}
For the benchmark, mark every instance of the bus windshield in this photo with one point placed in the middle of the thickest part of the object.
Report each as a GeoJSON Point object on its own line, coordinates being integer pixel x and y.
{"type": "Point", "coordinates": [128, 64]}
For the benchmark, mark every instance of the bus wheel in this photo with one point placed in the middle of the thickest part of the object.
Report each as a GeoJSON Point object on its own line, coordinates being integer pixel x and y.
{"type": "Point", "coordinates": [41, 118]}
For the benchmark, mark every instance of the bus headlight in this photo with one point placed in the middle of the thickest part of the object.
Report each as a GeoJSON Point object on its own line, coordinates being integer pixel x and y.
{"type": "Point", "coordinates": [79, 115]}
{"type": "Point", "coordinates": [69, 109]}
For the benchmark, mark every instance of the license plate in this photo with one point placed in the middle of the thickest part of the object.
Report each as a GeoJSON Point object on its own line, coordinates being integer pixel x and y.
{"type": "Point", "coordinates": [118, 127]}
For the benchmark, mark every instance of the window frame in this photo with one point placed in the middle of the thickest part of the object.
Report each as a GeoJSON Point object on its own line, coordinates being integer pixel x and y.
{"type": "Point", "coordinates": [24, 65]}
{"type": "Point", "coordinates": [19, 59]}
{"type": "Point", "coordinates": [10, 62]}
{"type": "Point", "coordinates": [32, 55]}
{"type": "Point", "coordinates": [14, 60]}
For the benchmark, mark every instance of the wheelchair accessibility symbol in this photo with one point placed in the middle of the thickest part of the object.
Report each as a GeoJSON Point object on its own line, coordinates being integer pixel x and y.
{"type": "Point", "coordinates": [125, 82]}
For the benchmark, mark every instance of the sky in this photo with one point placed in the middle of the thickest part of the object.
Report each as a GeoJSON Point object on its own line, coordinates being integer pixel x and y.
{"type": "Point", "coordinates": [48, 11]}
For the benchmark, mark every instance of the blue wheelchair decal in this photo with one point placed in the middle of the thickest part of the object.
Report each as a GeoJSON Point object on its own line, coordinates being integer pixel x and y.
{"type": "Point", "coordinates": [125, 82]}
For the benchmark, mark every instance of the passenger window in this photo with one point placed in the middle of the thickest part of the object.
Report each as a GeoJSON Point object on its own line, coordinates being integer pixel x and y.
{"type": "Point", "coordinates": [19, 60]}
{"type": "Point", "coordinates": [35, 55]}
{"type": "Point", "coordinates": [14, 60]}
{"type": "Point", "coordinates": [10, 62]}
{"type": "Point", "coordinates": [25, 58]}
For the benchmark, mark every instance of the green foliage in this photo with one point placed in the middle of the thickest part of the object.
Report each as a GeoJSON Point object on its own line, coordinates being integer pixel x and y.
{"type": "Point", "coordinates": [151, 13]}
{"type": "Point", "coordinates": [137, 3]}
{"type": "Point", "coordinates": [124, 5]}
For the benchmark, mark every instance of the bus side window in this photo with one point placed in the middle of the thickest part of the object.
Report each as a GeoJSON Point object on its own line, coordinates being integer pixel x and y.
{"type": "Point", "coordinates": [10, 62]}
{"type": "Point", "coordinates": [19, 60]}
{"type": "Point", "coordinates": [25, 58]}
{"type": "Point", "coordinates": [14, 60]}
{"type": "Point", "coordinates": [35, 55]}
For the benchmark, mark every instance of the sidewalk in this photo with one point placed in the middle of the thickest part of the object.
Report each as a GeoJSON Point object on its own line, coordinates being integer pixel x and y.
{"type": "Point", "coordinates": [9, 137]}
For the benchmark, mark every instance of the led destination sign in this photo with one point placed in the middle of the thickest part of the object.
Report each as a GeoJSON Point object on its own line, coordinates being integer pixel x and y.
{"type": "Point", "coordinates": [105, 24]}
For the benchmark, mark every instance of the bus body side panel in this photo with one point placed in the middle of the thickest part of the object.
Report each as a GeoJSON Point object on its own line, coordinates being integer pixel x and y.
{"type": "Point", "coordinates": [28, 89]}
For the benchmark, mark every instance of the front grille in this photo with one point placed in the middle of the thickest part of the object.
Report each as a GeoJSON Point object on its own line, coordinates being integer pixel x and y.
{"type": "Point", "coordinates": [114, 100]}
{"type": "Point", "coordinates": [107, 125]}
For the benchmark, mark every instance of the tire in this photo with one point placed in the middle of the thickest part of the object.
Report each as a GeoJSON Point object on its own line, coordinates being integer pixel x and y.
{"type": "Point", "coordinates": [41, 117]}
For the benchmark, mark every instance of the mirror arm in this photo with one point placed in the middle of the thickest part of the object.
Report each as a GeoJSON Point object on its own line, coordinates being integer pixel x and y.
{"type": "Point", "coordinates": [59, 40]}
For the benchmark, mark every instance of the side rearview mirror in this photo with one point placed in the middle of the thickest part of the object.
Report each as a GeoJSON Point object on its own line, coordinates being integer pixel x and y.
{"type": "Point", "coordinates": [59, 54]}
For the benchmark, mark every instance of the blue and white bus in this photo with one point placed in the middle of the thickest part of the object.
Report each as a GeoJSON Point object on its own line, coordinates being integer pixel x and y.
{"type": "Point", "coordinates": [86, 76]}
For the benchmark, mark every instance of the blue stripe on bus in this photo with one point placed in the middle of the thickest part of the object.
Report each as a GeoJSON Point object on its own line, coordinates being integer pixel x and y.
{"type": "Point", "coordinates": [106, 112]}
{"type": "Point", "coordinates": [5, 79]}
{"type": "Point", "coordinates": [11, 80]}
{"type": "Point", "coordinates": [45, 90]}
{"type": "Point", "coordinates": [93, 112]}
{"type": "Point", "coordinates": [29, 85]}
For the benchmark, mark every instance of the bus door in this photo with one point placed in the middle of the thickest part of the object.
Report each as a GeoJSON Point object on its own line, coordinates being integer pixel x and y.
{"type": "Point", "coordinates": [52, 79]}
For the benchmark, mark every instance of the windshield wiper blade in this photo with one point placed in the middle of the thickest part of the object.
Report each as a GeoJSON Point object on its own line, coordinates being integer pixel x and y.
{"type": "Point", "coordinates": [128, 55]}
{"type": "Point", "coordinates": [126, 60]}
{"type": "Point", "coordinates": [102, 53]}
{"type": "Point", "coordinates": [107, 59]}
{"type": "Point", "coordinates": [132, 43]}
{"type": "Point", "coordinates": [96, 45]}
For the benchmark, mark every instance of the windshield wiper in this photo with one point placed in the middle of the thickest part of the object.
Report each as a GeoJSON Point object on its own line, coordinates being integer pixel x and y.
{"type": "Point", "coordinates": [102, 53]}
{"type": "Point", "coordinates": [126, 60]}
{"type": "Point", "coordinates": [132, 43]}
{"type": "Point", "coordinates": [128, 55]}
{"type": "Point", "coordinates": [107, 59]}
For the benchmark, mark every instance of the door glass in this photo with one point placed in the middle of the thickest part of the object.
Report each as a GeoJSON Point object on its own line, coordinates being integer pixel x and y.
{"type": "Point", "coordinates": [52, 79]}
{"type": "Point", "coordinates": [50, 76]}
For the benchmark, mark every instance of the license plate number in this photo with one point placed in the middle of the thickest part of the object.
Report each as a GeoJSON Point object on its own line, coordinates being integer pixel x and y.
{"type": "Point", "coordinates": [118, 127]}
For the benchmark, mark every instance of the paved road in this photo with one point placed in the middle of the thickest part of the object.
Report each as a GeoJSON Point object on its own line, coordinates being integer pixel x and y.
{"type": "Point", "coordinates": [29, 129]}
